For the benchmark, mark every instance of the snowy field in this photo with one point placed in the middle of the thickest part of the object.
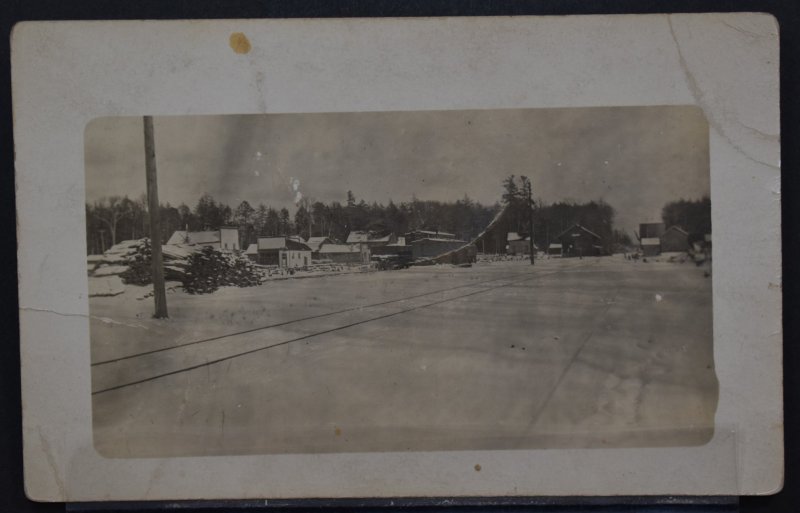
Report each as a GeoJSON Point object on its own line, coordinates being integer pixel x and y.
{"type": "Point", "coordinates": [597, 352]}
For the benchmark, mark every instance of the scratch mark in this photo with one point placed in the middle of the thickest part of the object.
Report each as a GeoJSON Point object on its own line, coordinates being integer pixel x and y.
{"type": "Point", "coordinates": [51, 462]}
{"type": "Point", "coordinates": [699, 97]}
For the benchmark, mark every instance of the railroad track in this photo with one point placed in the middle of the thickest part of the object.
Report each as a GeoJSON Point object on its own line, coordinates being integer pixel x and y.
{"type": "Point", "coordinates": [134, 369]}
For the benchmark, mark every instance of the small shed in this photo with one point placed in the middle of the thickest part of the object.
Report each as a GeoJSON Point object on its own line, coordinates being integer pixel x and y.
{"type": "Point", "coordinates": [554, 249]}
{"type": "Point", "coordinates": [519, 244]}
{"type": "Point", "coordinates": [651, 246]}
{"type": "Point", "coordinates": [675, 239]}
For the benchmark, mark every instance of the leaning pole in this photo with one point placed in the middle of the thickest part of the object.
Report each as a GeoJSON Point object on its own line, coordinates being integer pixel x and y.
{"type": "Point", "coordinates": [159, 290]}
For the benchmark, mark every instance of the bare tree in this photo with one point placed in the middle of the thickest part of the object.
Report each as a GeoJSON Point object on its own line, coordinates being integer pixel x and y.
{"type": "Point", "coordinates": [110, 212]}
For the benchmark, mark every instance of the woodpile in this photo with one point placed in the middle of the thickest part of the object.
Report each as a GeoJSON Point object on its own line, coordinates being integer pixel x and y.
{"type": "Point", "coordinates": [209, 270]}
{"type": "Point", "coordinates": [200, 270]}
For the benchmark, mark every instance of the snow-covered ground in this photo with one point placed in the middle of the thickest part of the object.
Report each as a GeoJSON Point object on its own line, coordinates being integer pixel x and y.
{"type": "Point", "coordinates": [567, 353]}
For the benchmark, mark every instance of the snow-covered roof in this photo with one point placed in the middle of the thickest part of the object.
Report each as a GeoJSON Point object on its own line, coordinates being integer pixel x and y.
{"type": "Point", "coordinates": [252, 249]}
{"type": "Point", "coordinates": [356, 236]}
{"type": "Point", "coordinates": [315, 242]}
{"type": "Point", "coordinates": [385, 238]}
{"type": "Point", "coordinates": [432, 239]}
{"type": "Point", "coordinates": [338, 248]}
{"type": "Point", "coordinates": [555, 245]}
{"type": "Point", "coordinates": [676, 228]}
{"type": "Point", "coordinates": [651, 241]}
{"type": "Point", "coordinates": [580, 226]}
{"type": "Point", "coordinates": [429, 232]}
{"type": "Point", "coordinates": [184, 237]}
{"type": "Point", "coordinates": [265, 243]}
{"type": "Point", "coordinates": [514, 236]}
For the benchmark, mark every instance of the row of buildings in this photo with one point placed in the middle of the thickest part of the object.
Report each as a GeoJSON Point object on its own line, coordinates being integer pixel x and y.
{"type": "Point", "coordinates": [294, 251]}
{"type": "Point", "coordinates": [361, 247]}
{"type": "Point", "coordinates": [575, 241]}
{"type": "Point", "coordinates": [656, 238]}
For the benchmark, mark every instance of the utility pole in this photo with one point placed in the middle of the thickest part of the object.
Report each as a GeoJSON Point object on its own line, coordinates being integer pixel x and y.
{"type": "Point", "coordinates": [159, 290]}
{"type": "Point", "coordinates": [528, 189]}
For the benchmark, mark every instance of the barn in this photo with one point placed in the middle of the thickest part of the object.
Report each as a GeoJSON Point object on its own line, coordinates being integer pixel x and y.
{"type": "Point", "coordinates": [284, 252]}
{"type": "Point", "coordinates": [675, 239]}
{"type": "Point", "coordinates": [579, 241]}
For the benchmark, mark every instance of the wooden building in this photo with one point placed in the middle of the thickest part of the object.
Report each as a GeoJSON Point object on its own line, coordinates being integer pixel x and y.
{"type": "Point", "coordinates": [314, 243]}
{"type": "Point", "coordinates": [344, 253]}
{"type": "Point", "coordinates": [554, 249]}
{"type": "Point", "coordinates": [431, 248]}
{"type": "Point", "coordinates": [224, 239]}
{"type": "Point", "coordinates": [371, 238]}
{"type": "Point", "coordinates": [579, 241]}
{"type": "Point", "coordinates": [650, 246]}
{"type": "Point", "coordinates": [651, 230]}
{"type": "Point", "coordinates": [674, 239]}
{"type": "Point", "coordinates": [411, 236]}
{"type": "Point", "coordinates": [519, 244]}
{"type": "Point", "coordinates": [283, 252]}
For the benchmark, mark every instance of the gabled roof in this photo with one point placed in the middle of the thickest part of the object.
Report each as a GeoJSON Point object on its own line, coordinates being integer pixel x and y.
{"type": "Point", "coordinates": [315, 242]}
{"type": "Point", "coordinates": [431, 239]}
{"type": "Point", "coordinates": [338, 248]}
{"type": "Point", "coordinates": [677, 229]}
{"type": "Point", "coordinates": [184, 237]}
{"type": "Point", "coordinates": [266, 243]}
{"type": "Point", "coordinates": [276, 243]}
{"type": "Point", "coordinates": [385, 238]}
{"type": "Point", "coordinates": [429, 232]}
{"type": "Point", "coordinates": [651, 241]}
{"type": "Point", "coordinates": [578, 225]}
{"type": "Point", "coordinates": [357, 236]}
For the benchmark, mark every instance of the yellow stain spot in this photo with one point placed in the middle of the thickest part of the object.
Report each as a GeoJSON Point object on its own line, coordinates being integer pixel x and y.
{"type": "Point", "coordinates": [477, 468]}
{"type": "Point", "coordinates": [338, 431]}
{"type": "Point", "coordinates": [240, 43]}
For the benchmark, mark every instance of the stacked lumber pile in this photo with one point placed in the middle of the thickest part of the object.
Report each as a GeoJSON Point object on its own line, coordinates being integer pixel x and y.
{"type": "Point", "coordinates": [139, 263]}
{"type": "Point", "coordinates": [200, 270]}
{"type": "Point", "coordinates": [209, 270]}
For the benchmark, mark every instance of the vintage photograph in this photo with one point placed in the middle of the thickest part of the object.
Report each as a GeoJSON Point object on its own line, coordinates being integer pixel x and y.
{"type": "Point", "coordinates": [400, 281]}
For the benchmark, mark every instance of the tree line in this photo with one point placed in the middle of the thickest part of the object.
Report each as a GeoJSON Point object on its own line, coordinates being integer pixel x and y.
{"type": "Point", "coordinates": [113, 219]}
{"type": "Point", "coordinates": [550, 220]}
{"type": "Point", "coordinates": [694, 216]}
{"type": "Point", "coordinates": [117, 218]}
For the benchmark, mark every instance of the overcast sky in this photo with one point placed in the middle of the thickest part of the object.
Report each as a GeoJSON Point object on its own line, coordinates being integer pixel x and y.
{"type": "Point", "coordinates": [635, 158]}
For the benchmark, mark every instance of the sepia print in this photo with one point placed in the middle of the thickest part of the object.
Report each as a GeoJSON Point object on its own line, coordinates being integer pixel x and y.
{"type": "Point", "coordinates": [400, 281]}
